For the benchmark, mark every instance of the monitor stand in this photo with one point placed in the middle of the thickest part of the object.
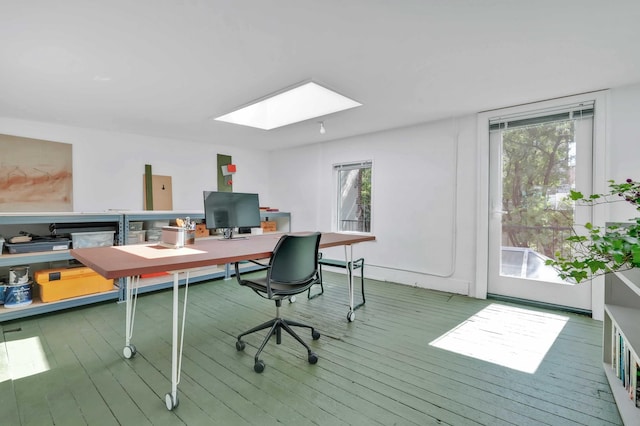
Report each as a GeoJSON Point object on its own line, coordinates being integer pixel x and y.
{"type": "Point", "coordinates": [227, 235]}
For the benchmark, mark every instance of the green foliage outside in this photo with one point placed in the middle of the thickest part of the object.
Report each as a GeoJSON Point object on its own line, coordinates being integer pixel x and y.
{"type": "Point", "coordinates": [603, 249]}
{"type": "Point", "coordinates": [537, 168]}
{"type": "Point", "coordinates": [364, 213]}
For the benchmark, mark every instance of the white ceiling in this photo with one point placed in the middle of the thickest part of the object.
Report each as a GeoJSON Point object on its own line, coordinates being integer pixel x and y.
{"type": "Point", "coordinates": [166, 67]}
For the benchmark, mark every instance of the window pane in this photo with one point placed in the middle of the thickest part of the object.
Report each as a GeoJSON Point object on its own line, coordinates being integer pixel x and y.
{"type": "Point", "coordinates": [354, 199]}
{"type": "Point", "coordinates": [538, 174]}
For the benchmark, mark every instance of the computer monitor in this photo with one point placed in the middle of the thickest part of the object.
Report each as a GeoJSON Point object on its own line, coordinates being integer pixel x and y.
{"type": "Point", "coordinates": [229, 210]}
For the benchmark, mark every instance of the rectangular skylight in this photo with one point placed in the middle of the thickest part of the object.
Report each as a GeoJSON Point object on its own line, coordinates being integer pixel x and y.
{"type": "Point", "coordinates": [309, 100]}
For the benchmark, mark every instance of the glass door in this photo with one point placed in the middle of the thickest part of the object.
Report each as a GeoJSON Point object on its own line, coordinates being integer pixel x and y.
{"type": "Point", "coordinates": [535, 160]}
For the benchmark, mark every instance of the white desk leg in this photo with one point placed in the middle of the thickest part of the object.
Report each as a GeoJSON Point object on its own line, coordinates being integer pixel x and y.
{"type": "Point", "coordinates": [171, 399]}
{"type": "Point", "coordinates": [348, 257]}
{"type": "Point", "coordinates": [131, 296]}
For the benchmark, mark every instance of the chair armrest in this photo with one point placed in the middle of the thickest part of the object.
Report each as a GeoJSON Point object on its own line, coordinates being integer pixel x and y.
{"type": "Point", "coordinates": [237, 266]}
{"type": "Point", "coordinates": [341, 263]}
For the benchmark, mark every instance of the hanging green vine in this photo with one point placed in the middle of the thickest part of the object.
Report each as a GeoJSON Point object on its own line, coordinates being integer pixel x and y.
{"type": "Point", "coordinates": [603, 249]}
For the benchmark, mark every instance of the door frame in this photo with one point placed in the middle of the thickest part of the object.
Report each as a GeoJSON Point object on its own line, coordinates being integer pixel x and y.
{"type": "Point", "coordinates": [599, 180]}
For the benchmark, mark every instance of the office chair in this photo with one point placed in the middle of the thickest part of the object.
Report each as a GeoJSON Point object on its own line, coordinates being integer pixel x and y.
{"type": "Point", "coordinates": [292, 269]}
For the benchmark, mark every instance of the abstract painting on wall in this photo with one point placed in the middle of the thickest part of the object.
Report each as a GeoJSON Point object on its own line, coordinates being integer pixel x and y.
{"type": "Point", "coordinates": [35, 175]}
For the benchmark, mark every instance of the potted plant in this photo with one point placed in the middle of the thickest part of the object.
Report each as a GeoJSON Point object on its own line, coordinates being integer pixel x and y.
{"type": "Point", "coordinates": [615, 247]}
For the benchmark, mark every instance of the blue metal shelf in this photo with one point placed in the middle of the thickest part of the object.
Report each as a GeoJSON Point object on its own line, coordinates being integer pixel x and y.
{"type": "Point", "coordinates": [37, 308]}
{"type": "Point", "coordinates": [8, 260]}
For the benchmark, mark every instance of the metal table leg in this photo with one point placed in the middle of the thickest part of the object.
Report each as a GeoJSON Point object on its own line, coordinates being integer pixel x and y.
{"type": "Point", "coordinates": [177, 342]}
{"type": "Point", "coordinates": [131, 298]}
{"type": "Point", "coordinates": [348, 257]}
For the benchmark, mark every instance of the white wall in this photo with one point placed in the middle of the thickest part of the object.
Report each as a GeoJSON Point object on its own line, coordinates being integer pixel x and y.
{"type": "Point", "coordinates": [423, 195]}
{"type": "Point", "coordinates": [108, 167]}
{"type": "Point", "coordinates": [423, 199]}
{"type": "Point", "coordinates": [624, 144]}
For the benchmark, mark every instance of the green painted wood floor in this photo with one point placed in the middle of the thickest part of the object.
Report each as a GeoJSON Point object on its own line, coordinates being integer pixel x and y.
{"type": "Point", "coordinates": [378, 370]}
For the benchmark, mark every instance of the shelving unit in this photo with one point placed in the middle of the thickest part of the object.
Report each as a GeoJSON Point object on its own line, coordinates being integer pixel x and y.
{"type": "Point", "coordinates": [622, 314]}
{"type": "Point", "coordinates": [282, 219]}
{"type": "Point", "coordinates": [13, 223]}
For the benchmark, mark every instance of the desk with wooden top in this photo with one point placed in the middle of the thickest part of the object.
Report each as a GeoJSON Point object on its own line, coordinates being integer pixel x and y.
{"type": "Point", "coordinates": [134, 260]}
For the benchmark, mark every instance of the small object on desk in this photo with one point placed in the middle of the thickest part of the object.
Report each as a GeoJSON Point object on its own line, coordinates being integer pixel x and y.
{"type": "Point", "coordinates": [173, 237]}
{"type": "Point", "coordinates": [190, 237]}
{"type": "Point", "coordinates": [201, 230]}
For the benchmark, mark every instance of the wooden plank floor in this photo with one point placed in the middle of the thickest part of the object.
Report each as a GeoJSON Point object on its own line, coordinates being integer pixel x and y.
{"type": "Point", "coordinates": [378, 370]}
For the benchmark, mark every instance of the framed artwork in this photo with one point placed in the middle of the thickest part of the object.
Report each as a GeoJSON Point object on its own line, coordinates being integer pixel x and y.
{"type": "Point", "coordinates": [35, 175]}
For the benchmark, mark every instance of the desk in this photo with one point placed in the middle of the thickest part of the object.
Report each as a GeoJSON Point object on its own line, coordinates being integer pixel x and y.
{"type": "Point", "coordinates": [134, 260]}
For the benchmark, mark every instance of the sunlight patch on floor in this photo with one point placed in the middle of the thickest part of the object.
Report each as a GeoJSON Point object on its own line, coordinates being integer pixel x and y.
{"type": "Point", "coordinates": [22, 358]}
{"type": "Point", "coordinates": [512, 337]}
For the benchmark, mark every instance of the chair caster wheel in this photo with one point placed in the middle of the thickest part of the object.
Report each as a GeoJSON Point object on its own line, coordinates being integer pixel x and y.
{"type": "Point", "coordinates": [129, 351]}
{"type": "Point", "coordinates": [351, 316]}
{"type": "Point", "coordinates": [315, 335]}
{"type": "Point", "coordinates": [240, 345]}
{"type": "Point", "coordinates": [170, 402]}
{"type": "Point", "coordinates": [258, 367]}
{"type": "Point", "coordinates": [313, 358]}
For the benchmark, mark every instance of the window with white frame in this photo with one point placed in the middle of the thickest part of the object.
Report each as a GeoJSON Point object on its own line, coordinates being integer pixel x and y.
{"type": "Point", "coordinates": [354, 196]}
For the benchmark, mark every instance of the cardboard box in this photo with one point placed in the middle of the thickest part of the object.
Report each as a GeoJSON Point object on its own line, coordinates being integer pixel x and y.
{"type": "Point", "coordinates": [63, 283]}
{"type": "Point", "coordinates": [269, 226]}
{"type": "Point", "coordinates": [201, 230]}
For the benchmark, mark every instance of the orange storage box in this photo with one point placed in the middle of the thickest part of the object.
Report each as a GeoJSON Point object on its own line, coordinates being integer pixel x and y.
{"type": "Point", "coordinates": [63, 283]}
{"type": "Point", "coordinates": [269, 226]}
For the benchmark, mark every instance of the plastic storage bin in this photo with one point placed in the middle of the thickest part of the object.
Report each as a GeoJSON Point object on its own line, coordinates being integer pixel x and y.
{"type": "Point", "coordinates": [154, 235]}
{"type": "Point", "coordinates": [136, 226]}
{"type": "Point", "coordinates": [51, 244]}
{"type": "Point", "coordinates": [92, 239]}
{"type": "Point", "coordinates": [136, 237]}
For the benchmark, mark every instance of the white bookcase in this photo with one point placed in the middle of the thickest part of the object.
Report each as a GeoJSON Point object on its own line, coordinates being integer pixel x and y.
{"type": "Point", "coordinates": [622, 324]}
